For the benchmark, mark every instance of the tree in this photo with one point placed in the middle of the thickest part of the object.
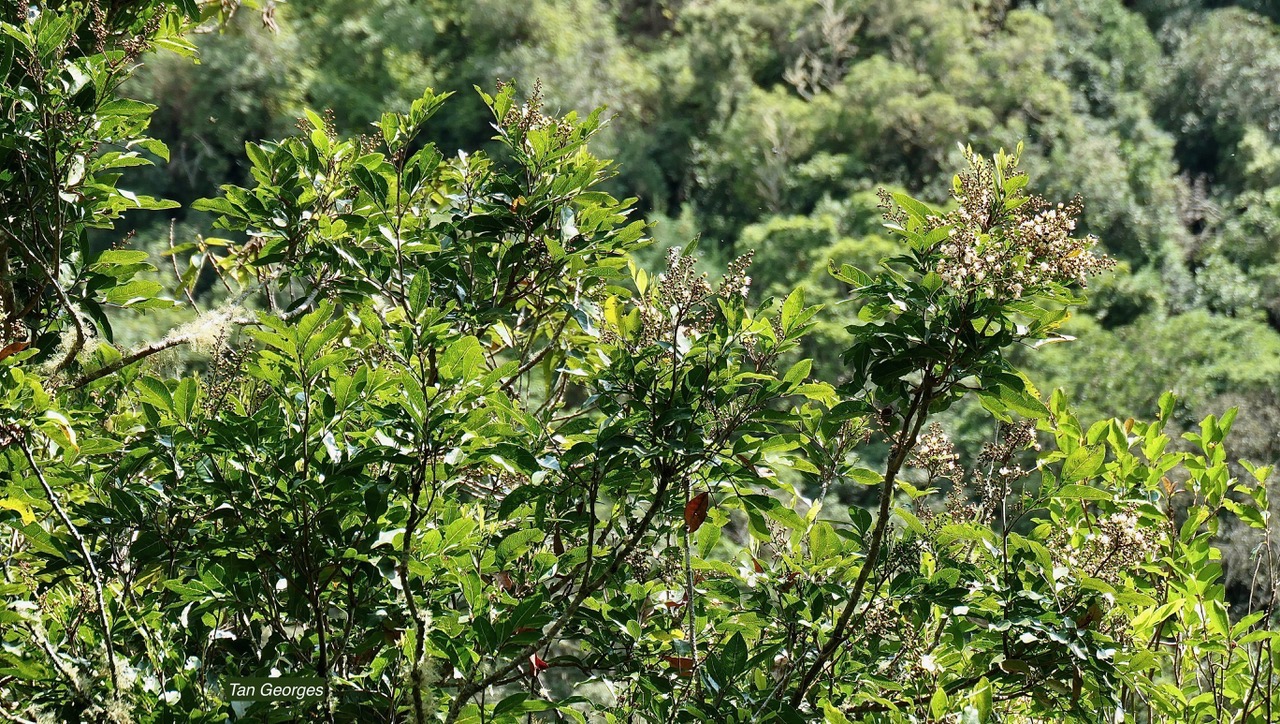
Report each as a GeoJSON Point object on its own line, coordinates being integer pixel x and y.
{"type": "Point", "coordinates": [457, 457]}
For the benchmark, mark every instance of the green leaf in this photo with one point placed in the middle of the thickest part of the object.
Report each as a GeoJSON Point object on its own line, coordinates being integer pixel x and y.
{"type": "Point", "coordinates": [863, 476]}
{"type": "Point", "coordinates": [58, 428]}
{"type": "Point", "coordinates": [1083, 462]}
{"type": "Point", "coordinates": [832, 715]}
{"type": "Point", "coordinates": [518, 543]}
{"type": "Point", "coordinates": [939, 705]}
{"type": "Point", "coordinates": [798, 373]}
{"type": "Point", "coordinates": [791, 308]}
{"type": "Point", "coordinates": [184, 398]}
{"type": "Point", "coordinates": [912, 206]}
{"type": "Point", "coordinates": [823, 542]}
{"type": "Point", "coordinates": [733, 658]}
{"type": "Point", "coordinates": [851, 275]}
{"type": "Point", "coordinates": [420, 292]}
{"type": "Point", "coordinates": [1023, 403]}
{"type": "Point", "coordinates": [153, 146]}
{"type": "Point", "coordinates": [41, 542]}
{"type": "Point", "coordinates": [194, 592]}
{"type": "Point", "coordinates": [156, 393]}
{"type": "Point", "coordinates": [118, 257]}
{"type": "Point", "coordinates": [23, 510]}
{"type": "Point", "coordinates": [1082, 492]}
{"type": "Point", "coordinates": [992, 403]}
{"type": "Point", "coordinates": [933, 237]}
{"type": "Point", "coordinates": [258, 155]}
{"type": "Point", "coordinates": [125, 107]}
{"type": "Point", "coordinates": [372, 183]}
{"type": "Point", "coordinates": [982, 699]}
{"type": "Point", "coordinates": [133, 292]}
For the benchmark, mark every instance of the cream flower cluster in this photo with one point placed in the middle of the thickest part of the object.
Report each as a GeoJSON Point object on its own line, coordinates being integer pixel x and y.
{"type": "Point", "coordinates": [995, 251]}
{"type": "Point", "coordinates": [936, 454]}
{"type": "Point", "coordinates": [1117, 544]}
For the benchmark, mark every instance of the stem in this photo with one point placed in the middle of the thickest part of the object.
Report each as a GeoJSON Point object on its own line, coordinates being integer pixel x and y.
{"type": "Point", "coordinates": [688, 592]}
{"type": "Point", "coordinates": [88, 560]}
{"type": "Point", "coordinates": [138, 354]}
{"type": "Point", "coordinates": [911, 425]}
{"type": "Point", "coordinates": [589, 587]}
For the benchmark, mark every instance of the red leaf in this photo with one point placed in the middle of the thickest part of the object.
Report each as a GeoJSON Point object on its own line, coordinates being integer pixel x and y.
{"type": "Point", "coordinates": [695, 511]}
{"type": "Point", "coordinates": [11, 349]}
{"type": "Point", "coordinates": [682, 664]}
{"type": "Point", "coordinates": [537, 664]}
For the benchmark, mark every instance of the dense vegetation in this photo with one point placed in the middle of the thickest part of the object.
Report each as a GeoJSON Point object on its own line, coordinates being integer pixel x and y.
{"type": "Point", "coordinates": [407, 398]}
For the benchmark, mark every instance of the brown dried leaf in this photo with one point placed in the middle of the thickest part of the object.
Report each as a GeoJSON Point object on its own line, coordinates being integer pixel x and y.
{"type": "Point", "coordinates": [683, 665]}
{"type": "Point", "coordinates": [12, 349]}
{"type": "Point", "coordinates": [695, 511]}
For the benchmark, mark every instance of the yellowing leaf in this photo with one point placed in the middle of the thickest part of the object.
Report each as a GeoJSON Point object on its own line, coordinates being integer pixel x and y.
{"type": "Point", "coordinates": [22, 508]}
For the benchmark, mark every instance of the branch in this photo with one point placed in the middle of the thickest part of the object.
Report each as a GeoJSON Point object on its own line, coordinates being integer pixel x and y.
{"type": "Point", "coordinates": [138, 354]}
{"type": "Point", "coordinates": [51, 278]}
{"type": "Point", "coordinates": [469, 690]}
{"type": "Point", "coordinates": [88, 560]}
{"type": "Point", "coordinates": [911, 425]}
{"type": "Point", "coordinates": [174, 340]}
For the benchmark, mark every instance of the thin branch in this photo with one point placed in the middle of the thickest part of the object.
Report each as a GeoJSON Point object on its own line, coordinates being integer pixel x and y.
{"type": "Point", "coordinates": [911, 425]}
{"type": "Point", "coordinates": [174, 340]}
{"type": "Point", "coordinates": [588, 588]}
{"type": "Point", "coordinates": [88, 560]}
{"type": "Point", "coordinates": [138, 354]}
{"type": "Point", "coordinates": [51, 278]}
{"type": "Point", "coordinates": [173, 260]}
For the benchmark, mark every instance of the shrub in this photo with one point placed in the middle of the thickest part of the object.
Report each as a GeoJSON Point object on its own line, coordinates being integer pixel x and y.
{"type": "Point", "coordinates": [458, 458]}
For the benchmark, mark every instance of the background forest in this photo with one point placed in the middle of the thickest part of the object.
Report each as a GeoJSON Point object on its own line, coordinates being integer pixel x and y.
{"type": "Point", "coordinates": [767, 125]}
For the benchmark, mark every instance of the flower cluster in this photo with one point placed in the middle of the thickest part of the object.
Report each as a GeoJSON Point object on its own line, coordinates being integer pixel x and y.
{"type": "Point", "coordinates": [881, 619]}
{"type": "Point", "coordinates": [1117, 543]}
{"type": "Point", "coordinates": [1004, 246]}
{"type": "Point", "coordinates": [883, 622]}
{"type": "Point", "coordinates": [680, 301]}
{"type": "Point", "coordinates": [528, 116]}
{"type": "Point", "coordinates": [936, 454]}
{"type": "Point", "coordinates": [680, 286]}
{"type": "Point", "coordinates": [957, 509]}
{"type": "Point", "coordinates": [736, 282]}
{"type": "Point", "coordinates": [683, 304]}
{"type": "Point", "coordinates": [10, 433]}
{"type": "Point", "coordinates": [993, 483]}
{"type": "Point", "coordinates": [984, 495]}
{"type": "Point", "coordinates": [224, 374]}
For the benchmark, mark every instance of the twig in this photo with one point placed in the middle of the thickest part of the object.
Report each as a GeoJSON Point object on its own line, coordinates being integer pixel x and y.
{"type": "Point", "coordinates": [588, 588]}
{"type": "Point", "coordinates": [138, 354]}
{"type": "Point", "coordinates": [88, 560]}
{"type": "Point", "coordinates": [911, 425]}
{"type": "Point", "coordinates": [173, 259]}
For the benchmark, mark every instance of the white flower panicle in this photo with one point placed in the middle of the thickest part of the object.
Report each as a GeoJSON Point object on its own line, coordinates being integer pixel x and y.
{"type": "Point", "coordinates": [936, 454]}
{"type": "Point", "coordinates": [1007, 246]}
